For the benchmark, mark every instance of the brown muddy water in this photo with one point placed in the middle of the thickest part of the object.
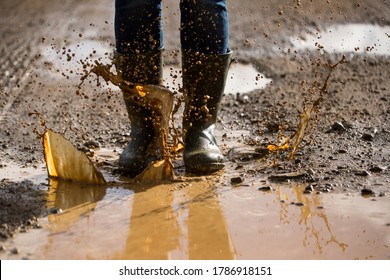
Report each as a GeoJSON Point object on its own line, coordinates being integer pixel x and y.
{"type": "Point", "coordinates": [201, 218]}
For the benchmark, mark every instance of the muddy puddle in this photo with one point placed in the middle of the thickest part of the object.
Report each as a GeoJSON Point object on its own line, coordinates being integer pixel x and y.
{"type": "Point", "coordinates": [202, 218]}
{"type": "Point", "coordinates": [208, 217]}
{"type": "Point", "coordinates": [348, 38]}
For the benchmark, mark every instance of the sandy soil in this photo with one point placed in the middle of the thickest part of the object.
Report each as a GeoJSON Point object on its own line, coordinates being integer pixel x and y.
{"type": "Point", "coordinates": [350, 147]}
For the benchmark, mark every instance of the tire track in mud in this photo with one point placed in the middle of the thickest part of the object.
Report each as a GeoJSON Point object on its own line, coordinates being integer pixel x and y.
{"type": "Point", "coordinates": [15, 60]}
{"type": "Point", "coordinates": [38, 37]}
{"type": "Point", "coordinates": [24, 25]}
{"type": "Point", "coordinates": [16, 53]}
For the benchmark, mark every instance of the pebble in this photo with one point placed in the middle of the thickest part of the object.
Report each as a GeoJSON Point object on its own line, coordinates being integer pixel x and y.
{"type": "Point", "coordinates": [236, 180]}
{"type": "Point", "coordinates": [338, 126]}
{"type": "Point", "coordinates": [286, 176]}
{"type": "Point", "coordinates": [55, 210]}
{"type": "Point", "coordinates": [246, 99]}
{"type": "Point", "coordinates": [377, 169]}
{"type": "Point", "coordinates": [310, 171]}
{"type": "Point", "coordinates": [308, 189]}
{"type": "Point", "coordinates": [4, 226]}
{"type": "Point", "coordinates": [265, 189]}
{"type": "Point", "coordinates": [363, 173]}
{"type": "Point", "coordinates": [367, 137]}
{"type": "Point", "coordinates": [91, 144]}
{"type": "Point", "coordinates": [325, 189]}
{"type": "Point", "coordinates": [14, 251]}
{"type": "Point", "coordinates": [37, 225]}
{"type": "Point", "coordinates": [367, 192]}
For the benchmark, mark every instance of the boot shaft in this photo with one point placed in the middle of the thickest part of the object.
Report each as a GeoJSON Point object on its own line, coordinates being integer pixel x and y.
{"type": "Point", "coordinates": [140, 69]}
{"type": "Point", "coordinates": [146, 68]}
{"type": "Point", "coordinates": [204, 79]}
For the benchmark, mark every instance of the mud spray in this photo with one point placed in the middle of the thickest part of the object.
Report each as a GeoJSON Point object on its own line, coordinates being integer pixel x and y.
{"type": "Point", "coordinates": [308, 116]}
{"type": "Point", "coordinates": [160, 100]}
{"type": "Point", "coordinates": [65, 162]}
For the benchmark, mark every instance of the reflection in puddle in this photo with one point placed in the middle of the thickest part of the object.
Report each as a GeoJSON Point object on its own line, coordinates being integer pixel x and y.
{"type": "Point", "coordinates": [293, 225]}
{"type": "Point", "coordinates": [200, 219]}
{"type": "Point", "coordinates": [355, 38]}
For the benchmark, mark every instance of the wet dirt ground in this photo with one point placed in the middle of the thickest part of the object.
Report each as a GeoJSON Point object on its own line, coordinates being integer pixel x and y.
{"type": "Point", "coordinates": [331, 201]}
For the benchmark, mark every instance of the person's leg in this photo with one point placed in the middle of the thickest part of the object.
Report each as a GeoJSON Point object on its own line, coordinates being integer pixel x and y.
{"type": "Point", "coordinates": [204, 26]}
{"type": "Point", "coordinates": [138, 57]}
{"type": "Point", "coordinates": [206, 59]}
{"type": "Point", "coordinates": [138, 26]}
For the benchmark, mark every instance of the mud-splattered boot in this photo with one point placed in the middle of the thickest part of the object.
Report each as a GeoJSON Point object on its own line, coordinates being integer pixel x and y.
{"type": "Point", "coordinates": [204, 78]}
{"type": "Point", "coordinates": [142, 69]}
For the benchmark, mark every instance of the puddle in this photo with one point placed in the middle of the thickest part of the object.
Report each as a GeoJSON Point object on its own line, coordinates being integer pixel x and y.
{"type": "Point", "coordinates": [327, 226]}
{"type": "Point", "coordinates": [348, 38]}
{"type": "Point", "coordinates": [244, 78]}
{"type": "Point", "coordinates": [68, 59]}
{"type": "Point", "coordinates": [198, 218]}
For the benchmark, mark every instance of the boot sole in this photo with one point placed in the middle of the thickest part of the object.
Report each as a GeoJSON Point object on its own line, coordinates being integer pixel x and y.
{"type": "Point", "coordinates": [204, 169]}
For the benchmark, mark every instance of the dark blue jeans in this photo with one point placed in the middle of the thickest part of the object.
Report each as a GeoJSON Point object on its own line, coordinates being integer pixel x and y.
{"type": "Point", "coordinates": [204, 26]}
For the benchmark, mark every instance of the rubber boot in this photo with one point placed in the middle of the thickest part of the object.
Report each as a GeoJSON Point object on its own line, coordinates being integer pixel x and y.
{"type": "Point", "coordinates": [140, 69]}
{"type": "Point", "coordinates": [204, 79]}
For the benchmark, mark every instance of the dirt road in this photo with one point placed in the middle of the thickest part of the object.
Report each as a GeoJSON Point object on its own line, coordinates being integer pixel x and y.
{"type": "Point", "coordinates": [347, 151]}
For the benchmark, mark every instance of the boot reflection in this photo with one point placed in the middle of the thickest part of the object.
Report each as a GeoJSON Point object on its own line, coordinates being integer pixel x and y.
{"type": "Point", "coordinates": [208, 235]}
{"type": "Point", "coordinates": [166, 221]}
{"type": "Point", "coordinates": [177, 221]}
{"type": "Point", "coordinates": [65, 195]}
{"type": "Point", "coordinates": [154, 230]}
{"type": "Point", "coordinates": [93, 225]}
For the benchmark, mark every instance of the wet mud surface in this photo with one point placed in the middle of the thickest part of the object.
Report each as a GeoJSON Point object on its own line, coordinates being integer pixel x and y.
{"type": "Point", "coordinates": [331, 201]}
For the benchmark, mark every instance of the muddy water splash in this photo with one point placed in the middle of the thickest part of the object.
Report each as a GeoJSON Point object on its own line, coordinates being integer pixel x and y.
{"type": "Point", "coordinates": [308, 117]}
{"type": "Point", "coordinates": [160, 101]}
{"type": "Point", "coordinates": [63, 160]}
